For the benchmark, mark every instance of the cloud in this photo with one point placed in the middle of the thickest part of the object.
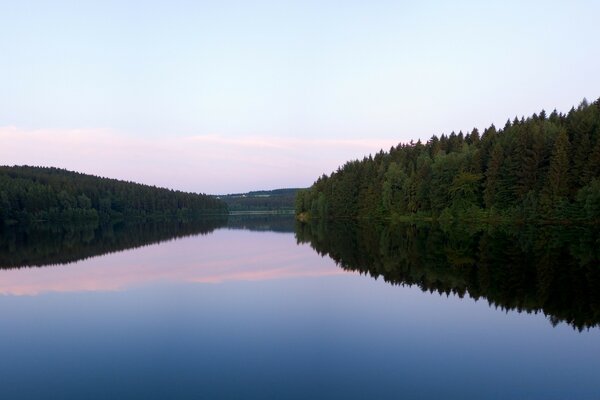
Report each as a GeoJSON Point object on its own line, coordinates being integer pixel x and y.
{"type": "Point", "coordinates": [209, 163]}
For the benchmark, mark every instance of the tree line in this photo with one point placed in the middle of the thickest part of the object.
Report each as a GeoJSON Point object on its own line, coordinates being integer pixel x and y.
{"type": "Point", "coordinates": [544, 167]}
{"type": "Point", "coordinates": [32, 194]}
{"type": "Point", "coordinates": [261, 200]}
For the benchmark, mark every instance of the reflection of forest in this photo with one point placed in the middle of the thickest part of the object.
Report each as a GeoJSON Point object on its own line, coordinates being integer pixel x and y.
{"type": "Point", "coordinates": [61, 244]}
{"type": "Point", "coordinates": [552, 269]}
{"type": "Point", "coordinates": [263, 222]}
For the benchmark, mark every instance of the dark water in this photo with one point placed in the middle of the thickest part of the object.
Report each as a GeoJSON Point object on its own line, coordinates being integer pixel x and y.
{"type": "Point", "coordinates": [263, 308]}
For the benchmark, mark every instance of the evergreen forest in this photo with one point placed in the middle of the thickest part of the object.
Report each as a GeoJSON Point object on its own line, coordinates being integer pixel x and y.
{"type": "Point", "coordinates": [278, 200]}
{"type": "Point", "coordinates": [41, 194]}
{"type": "Point", "coordinates": [541, 168]}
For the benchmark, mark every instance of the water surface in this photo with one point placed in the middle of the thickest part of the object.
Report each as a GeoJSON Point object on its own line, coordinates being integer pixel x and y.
{"type": "Point", "coordinates": [251, 309]}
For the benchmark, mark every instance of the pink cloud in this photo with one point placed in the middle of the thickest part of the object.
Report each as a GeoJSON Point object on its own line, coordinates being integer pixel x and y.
{"type": "Point", "coordinates": [201, 163]}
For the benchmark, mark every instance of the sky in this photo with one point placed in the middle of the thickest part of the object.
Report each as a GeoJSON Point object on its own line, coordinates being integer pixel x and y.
{"type": "Point", "coordinates": [226, 97]}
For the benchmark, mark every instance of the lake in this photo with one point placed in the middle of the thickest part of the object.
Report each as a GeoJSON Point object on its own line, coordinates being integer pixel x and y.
{"type": "Point", "coordinates": [264, 307]}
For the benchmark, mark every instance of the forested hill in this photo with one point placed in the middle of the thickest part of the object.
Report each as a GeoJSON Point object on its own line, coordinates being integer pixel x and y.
{"type": "Point", "coordinates": [544, 167]}
{"type": "Point", "coordinates": [29, 194]}
{"type": "Point", "coordinates": [261, 200]}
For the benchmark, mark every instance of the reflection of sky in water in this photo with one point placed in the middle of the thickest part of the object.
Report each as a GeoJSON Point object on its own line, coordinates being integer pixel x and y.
{"type": "Point", "coordinates": [221, 256]}
{"type": "Point", "coordinates": [314, 333]}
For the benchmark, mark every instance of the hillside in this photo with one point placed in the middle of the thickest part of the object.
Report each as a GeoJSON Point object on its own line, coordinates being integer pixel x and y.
{"type": "Point", "coordinates": [261, 200]}
{"type": "Point", "coordinates": [540, 168]}
{"type": "Point", "coordinates": [31, 194]}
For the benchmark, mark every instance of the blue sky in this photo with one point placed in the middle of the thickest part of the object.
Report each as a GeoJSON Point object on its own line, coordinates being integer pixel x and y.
{"type": "Point", "coordinates": [282, 91]}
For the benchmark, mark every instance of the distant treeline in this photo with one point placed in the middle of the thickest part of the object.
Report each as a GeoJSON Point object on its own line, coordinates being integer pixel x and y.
{"type": "Point", "coordinates": [551, 268]}
{"type": "Point", "coordinates": [30, 194]}
{"type": "Point", "coordinates": [263, 200]}
{"type": "Point", "coordinates": [544, 167]}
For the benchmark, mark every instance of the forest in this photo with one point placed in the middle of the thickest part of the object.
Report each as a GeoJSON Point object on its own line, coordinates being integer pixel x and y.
{"type": "Point", "coordinates": [278, 200]}
{"type": "Point", "coordinates": [541, 168]}
{"type": "Point", "coordinates": [42, 194]}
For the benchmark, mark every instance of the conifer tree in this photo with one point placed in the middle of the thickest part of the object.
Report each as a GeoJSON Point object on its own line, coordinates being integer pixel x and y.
{"type": "Point", "coordinates": [557, 182]}
{"type": "Point", "coordinates": [493, 176]}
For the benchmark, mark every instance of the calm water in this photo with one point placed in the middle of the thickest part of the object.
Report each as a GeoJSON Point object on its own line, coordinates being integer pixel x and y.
{"type": "Point", "coordinates": [260, 308]}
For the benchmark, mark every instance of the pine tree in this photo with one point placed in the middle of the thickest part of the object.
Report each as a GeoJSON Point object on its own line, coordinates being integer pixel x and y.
{"type": "Point", "coordinates": [593, 164]}
{"type": "Point", "coordinates": [557, 182]}
{"type": "Point", "coordinates": [581, 151]}
{"type": "Point", "coordinates": [492, 176]}
{"type": "Point", "coordinates": [529, 156]}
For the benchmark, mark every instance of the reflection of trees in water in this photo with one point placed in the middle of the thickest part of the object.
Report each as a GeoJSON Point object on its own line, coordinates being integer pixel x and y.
{"type": "Point", "coordinates": [262, 222]}
{"type": "Point", "coordinates": [552, 269]}
{"type": "Point", "coordinates": [61, 244]}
